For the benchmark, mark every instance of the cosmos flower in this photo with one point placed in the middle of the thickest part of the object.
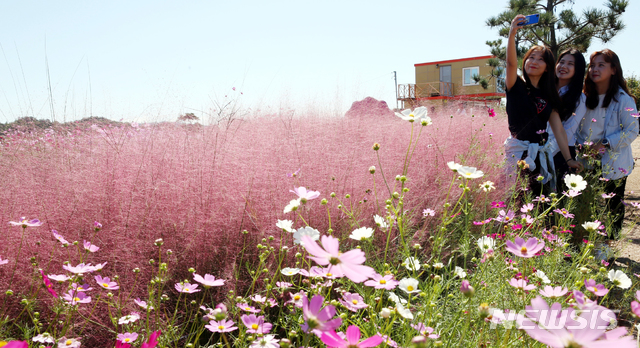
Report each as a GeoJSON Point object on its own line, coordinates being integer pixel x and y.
{"type": "Point", "coordinates": [221, 326]}
{"type": "Point", "coordinates": [521, 284]}
{"type": "Point", "coordinates": [305, 231]}
{"type": "Point", "coordinates": [106, 283]}
{"type": "Point", "coordinates": [353, 301]}
{"type": "Point", "coordinates": [285, 225]}
{"type": "Point", "coordinates": [619, 279]}
{"type": "Point", "coordinates": [24, 223]}
{"type": "Point", "coordinates": [379, 282]}
{"type": "Point", "coordinates": [553, 292]}
{"type": "Point", "coordinates": [524, 249]}
{"type": "Point", "coordinates": [347, 264]}
{"type": "Point", "coordinates": [575, 182]}
{"type": "Point", "coordinates": [596, 289]}
{"type": "Point", "coordinates": [208, 280]}
{"type": "Point", "coordinates": [304, 195]}
{"type": "Point", "coordinates": [492, 113]}
{"type": "Point", "coordinates": [418, 114]}
{"type": "Point", "coordinates": [187, 288]}
{"type": "Point", "coordinates": [256, 324]}
{"type": "Point", "coordinates": [361, 233]}
{"type": "Point", "coordinates": [90, 247]}
{"type": "Point", "coordinates": [332, 339]}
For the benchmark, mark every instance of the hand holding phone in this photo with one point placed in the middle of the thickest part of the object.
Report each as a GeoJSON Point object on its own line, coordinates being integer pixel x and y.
{"type": "Point", "coordinates": [530, 19]}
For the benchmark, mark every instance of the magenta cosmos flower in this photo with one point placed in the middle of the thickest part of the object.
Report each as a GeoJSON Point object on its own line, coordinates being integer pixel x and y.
{"type": "Point", "coordinates": [187, 288]}
{"type": "Point", "coordinates": [208, 280]}
{"type": "Point", "coordinates": [106, 283]}
{"type": "Point", "coordinates": [305, 194]}
{"type": "Point", "coordinates": [16, 344]}
{"type": "Point", "coordinates": [332, 339]}
{"type": "Point", "coordinates": [256, 324]}
{"type": "Point", "coordinates": [379, 282]}
{"type": "Point", "coordinates": [48, 284]}
{"type": "Point", "coordinates": [26, 223]}
{"type": "Point", "coordinates": [596, 289]}
{"type": "Point", "coordinates": [221, 326]}
{"type": "Point", "coordinates": [525, 249]}
{"type": "Point", "coordinates": [318, 318]}
{"type": "Point", "coordinates": [152, 341]}
{"type": "Point", "coordinates": [347, 264]}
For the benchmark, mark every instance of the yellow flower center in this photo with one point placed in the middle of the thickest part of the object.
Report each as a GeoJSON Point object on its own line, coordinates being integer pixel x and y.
{"type": "Point", "coordinates": [68, 342]}
{"type": "Point", "coordinates": [127, 339]}
{"type": "Point", "coordinates": [506, 218]}
{"type": "Point", "coordinates": [410, 288]}
{"type": "Point", "coordinates": [247, 308]}
{"type": "Point", "coordinates": [355, 302]}
{"type": "Point", "coordinates": [76, 299]}
{"type": "Point", "coordinates": [296, 297]}
{"type": "Point", "coordinates": [186, 289]}
{"type": "Point", "coordinates": [105, 285]}
{"type": "Point", "coordinates": [412, 115]}
{"type": "Point", "coordinates": [523, 250]}
{"type": "Point", "coordinates": [382, 281]}
{"type": "Point", "coordinates": [254, 326]}
{"type": "Point", "coordinates": [329, 275]}
{"type": "Point", "coordinates": [220, 327]}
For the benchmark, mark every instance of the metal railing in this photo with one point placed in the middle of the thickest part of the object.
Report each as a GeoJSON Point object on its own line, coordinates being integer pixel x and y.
{"type": "Point", "coordinates": [424, 90]}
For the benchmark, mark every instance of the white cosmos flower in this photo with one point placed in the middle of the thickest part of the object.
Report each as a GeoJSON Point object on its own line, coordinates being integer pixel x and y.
{"type": "Point", "coordinates": [487, 186]}
{"type": "Point", "coordinates": [454, 166]}
{"type": "Point", "coordinates": [591, 226]}
{"type": "Point", "coordinates": [619, 279]}
{"type": "Point", "coordinates": [396, 299]}
{"type": "Point", "coordinates": [361, 233]}
{"type": "Point", "coordinates": [485, 244]}
{"type": "Point", "coordinates": [416, 115]}
{"type": "Point", "coordinates": [543, 277]}
{"type": "Point", "coordinates": [459, 271]}
{"type": "Point", "coordinates": [43, 338]}
{"type": "Point", "coordinates": [404, 312]}
{"type": "Point", "coordinates": [411, 263]}
{"type": "Point", "coordinates": [575, 182]}
{"type": "Point", "coordinates": [292, 206]}
{"type": "Point", "coordinates": [286, 225]}
{"type": "Point", "coordinates": [305, 231]}
{"type": "Point", "coordinates": [380, 221]}
{"type": "Point", "coordinates": [409, 285]}
{"type": "Point", "coordinates": [438, 265]}
{"type": "Point", "coordinates": [134, 316]}
{"type": "Point", "coordinates": [288, 271]}
{"type": "Point", "coordinates": [470, 172]}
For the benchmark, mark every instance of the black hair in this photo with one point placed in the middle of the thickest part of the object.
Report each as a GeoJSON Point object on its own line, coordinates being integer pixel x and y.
{"type": "Point", "coordinates": [571, 98]}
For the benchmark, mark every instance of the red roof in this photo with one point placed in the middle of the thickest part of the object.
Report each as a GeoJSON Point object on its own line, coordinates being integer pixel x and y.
{"type": "Point", "coordinates": [454, 60]}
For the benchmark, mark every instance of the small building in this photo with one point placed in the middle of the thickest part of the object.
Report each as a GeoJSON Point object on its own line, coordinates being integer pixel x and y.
{"type": "Point", "coordinates": [446, 80]}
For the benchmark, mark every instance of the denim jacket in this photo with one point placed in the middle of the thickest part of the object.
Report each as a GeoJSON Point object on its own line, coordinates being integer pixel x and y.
{"type": "Point", "coordinates": [621, 129]}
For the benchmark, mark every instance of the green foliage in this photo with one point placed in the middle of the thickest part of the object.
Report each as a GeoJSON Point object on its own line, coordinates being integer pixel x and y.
{"type": "Point", "coordinates": [634, 87]}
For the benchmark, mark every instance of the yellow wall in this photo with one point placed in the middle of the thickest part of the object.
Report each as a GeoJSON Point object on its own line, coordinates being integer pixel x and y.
{"type": "Point", "coordinates": [429, 75]}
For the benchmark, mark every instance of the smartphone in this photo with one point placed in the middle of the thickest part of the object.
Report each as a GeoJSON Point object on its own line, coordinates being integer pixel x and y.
{"type": "Point", "coordinates": [530, 19]}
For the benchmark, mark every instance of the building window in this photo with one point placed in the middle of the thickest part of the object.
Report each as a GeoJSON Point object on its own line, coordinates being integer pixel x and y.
{"type": "Point", "coordinates": [467, 76]}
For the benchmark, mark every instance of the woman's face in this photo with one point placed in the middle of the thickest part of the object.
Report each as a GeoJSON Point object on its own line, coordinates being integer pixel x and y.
{"type": "Point", "coordinates": [535, 64]}
{"type": "Point", "coordinates": [565, 69]}
{"type": "Point", "coordinates": [600, 71]}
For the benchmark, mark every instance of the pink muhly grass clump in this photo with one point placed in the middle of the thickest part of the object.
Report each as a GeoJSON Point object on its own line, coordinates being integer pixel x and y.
{"type": "Point", "coordinates": [199, 187]}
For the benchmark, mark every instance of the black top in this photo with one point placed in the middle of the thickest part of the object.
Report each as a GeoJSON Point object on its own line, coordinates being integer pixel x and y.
{"type": "Point", "coordinates": [528, 113]}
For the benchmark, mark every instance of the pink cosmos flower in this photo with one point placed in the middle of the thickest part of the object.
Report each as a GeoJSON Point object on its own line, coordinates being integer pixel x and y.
{"type": "Point", "coordinates": [524, 249]}
{"type": "Point", "coordinates": [332, 339]}
{"type": "Point", "coordinates": [208, 280]}
{"type": "Point", "coordinates": [256, 324]}
{"type": "Point", "coordinates": [559, 327]}
{"type": "Point", "coordinates": [26, 223]}
{"type": "Point", "coordinates": [59, 237]}
{"type": "Point", "coordinates": [48, 285]}
{"type": "Point", "coordinates": [74, 298]}
{"type": "Point", "coordinates": [424, 330]}
{"type": "Point", "coordinates": [492, 113]}
{"type": "Point", "coordinates": [608, 195]}
{"type": "Point", "coordinates": [127, 337]}
{"type": "Point", "coordinates": [635, 114]}
{"type": "Point", "coordinates": [78, 287]}
{"type": "Point", "coordinates": [97, 226]}
{"type": "Point", "coordinates": [553, 292]}
{"type": "Point", "coordinates": [297, 298]}
{"type": "Point", "coordinates": [283, 285]}
{"type": "Point", "coordinates": [526, 208]}
{"type": "Point", "coordinates": [541, 199]}
{"type": "Point", "coordinates": [187, 288]}
{"type": "Point", "coordinates": [80, 268]}
{"type": "Point", "coordinates": [596, 289]}
{"type": "Point", "coordinates": [221, 326]}
{"type": "Point", "coordinates": [90, 247]}
{"type": "Point", "coordinates": [99, 266]}
{"type": "Point", "coordinates": [542, 131]}
{"type": "Point", "coordinates": [353, 301]}
{"type": "Point", "coordinates": [564, 213]}
{"type": "Point", "coordinates": [305, 195]}
{"type": "Point", "coordinates": [498, 205]}
{"type": "Point", "coordinates": [141, 303]}
{"type": "Point", "coordinates": [505, 217]}
{"type": "Point", "coordinates": [594, 120]}
{"type": "Point", "coordinates": [379, 282]}
{"type": "Point", "coordinates": [58, 277]}
{"type": "Point", "coordinates": [480, 223]}
{"type": "Point", "coordinates": [521, 284]}
{"type": "Point", "coordinates": [106, 283]}
{"type": "Point", "coordinates": [347, 264]}
{"type": "Point", "coordinates": [583, 302]}
{"type": "Point", "coordinates": [318, 318]}
{"type": "Point", "coordinates": [572, 193]}
{"type": "Point", "coordinates": [245, 307]}
{"type": "Point", "coordinates": [428, 212]}
{"type": "Point", "coordinates": [5, 261]}
{"type": "Point", "coordinates": [294, 174]}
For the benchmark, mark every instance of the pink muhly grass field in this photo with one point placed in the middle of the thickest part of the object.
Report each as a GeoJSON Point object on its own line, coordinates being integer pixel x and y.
{"type": "Point", "coordinates": [199, 187]}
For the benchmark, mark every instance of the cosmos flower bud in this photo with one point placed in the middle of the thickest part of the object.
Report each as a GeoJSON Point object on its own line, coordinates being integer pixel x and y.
{"type": "Point", "coordinates": [372, 169]}
{"type": "Point", "coordinates": [376, 147]}
{"type": "Point", "coordinates": [467, 289]}
{"type": "Point", "coordinates": [385, 312]}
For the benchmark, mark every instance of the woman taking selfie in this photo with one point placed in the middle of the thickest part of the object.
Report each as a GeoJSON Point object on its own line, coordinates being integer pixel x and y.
{"type": "Point", "coordinates": [531, 103]}
{"type": "Point", "coordinates": [609, 128]}
{"type": "Point", "coordinates": [570, 69]}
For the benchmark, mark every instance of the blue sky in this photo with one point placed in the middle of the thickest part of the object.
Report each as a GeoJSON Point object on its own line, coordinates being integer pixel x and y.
{"type": "Point", "coordinates": [153, 60]}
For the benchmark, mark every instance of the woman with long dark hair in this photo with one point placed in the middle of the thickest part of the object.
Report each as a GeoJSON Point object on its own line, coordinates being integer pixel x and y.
{"type": "Point", "coordinates": [569, 71]}
{"type": "Point", "coordinates": [532, 101]}
{"type": "Point", "coordinates": [609, 128]}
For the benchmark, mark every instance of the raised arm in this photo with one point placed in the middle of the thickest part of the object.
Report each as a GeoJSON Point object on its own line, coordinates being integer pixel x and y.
{"type": "Point", "coordinates": [512, 54]}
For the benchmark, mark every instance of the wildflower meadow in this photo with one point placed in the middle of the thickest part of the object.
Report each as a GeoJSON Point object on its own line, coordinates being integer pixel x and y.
{"type": "Point", "coordinates": [282, 231]}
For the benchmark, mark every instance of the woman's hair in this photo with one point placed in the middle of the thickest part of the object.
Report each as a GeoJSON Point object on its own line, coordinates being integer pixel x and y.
{"type": "Point", "coordinates": [547, 83]}
{"type": "Point", "coordinates": [571, 98]}
{"type": "Point", "coordinates": [616, 81]}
